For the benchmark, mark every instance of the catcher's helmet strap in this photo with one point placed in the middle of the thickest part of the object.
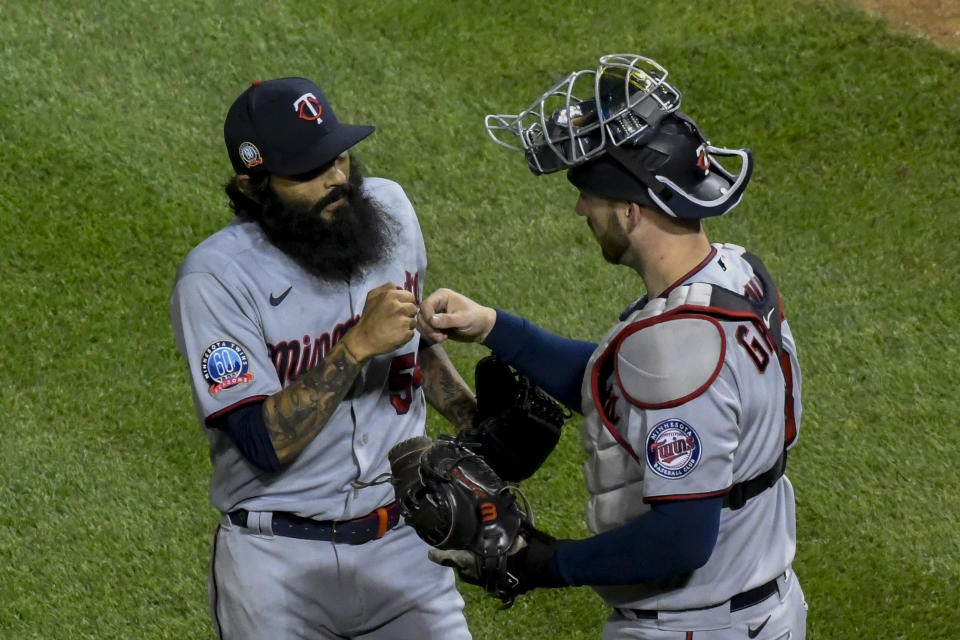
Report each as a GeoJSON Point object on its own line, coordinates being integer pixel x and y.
{"type": "Point", "coordinates": [633, 161]}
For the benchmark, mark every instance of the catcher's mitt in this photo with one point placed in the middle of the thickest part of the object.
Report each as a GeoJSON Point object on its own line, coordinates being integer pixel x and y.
{"type": "Point", "coordinates": [454, 501]}
{"type": "Point", "coordinates": [516, 426]}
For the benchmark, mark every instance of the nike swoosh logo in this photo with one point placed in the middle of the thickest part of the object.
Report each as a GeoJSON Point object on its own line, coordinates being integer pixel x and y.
{"type": "Point", "coordinates": [766, 320]}
{"type": "Point", "coordinates": [275, 300]}
{"type": "Point", "coordinates": [751, 632]}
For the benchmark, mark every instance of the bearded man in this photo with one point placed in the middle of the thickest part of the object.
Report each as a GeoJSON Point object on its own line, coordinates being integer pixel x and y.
{"type": "Point", "coordinates": [297, 323]}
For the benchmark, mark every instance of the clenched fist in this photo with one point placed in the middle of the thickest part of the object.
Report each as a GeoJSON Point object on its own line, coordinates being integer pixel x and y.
{"type": "Point", "coordinates": [387, 322]}
{"type": "Point", "coordinates": [448, 314]}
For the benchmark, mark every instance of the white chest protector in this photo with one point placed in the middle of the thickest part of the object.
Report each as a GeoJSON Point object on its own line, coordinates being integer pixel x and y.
{"type": "Point", "coordinates": [692, 395]}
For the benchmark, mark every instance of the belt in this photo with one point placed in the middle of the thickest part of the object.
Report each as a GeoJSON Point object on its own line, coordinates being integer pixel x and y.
{"type": "Point", "coordinates": [740, 601]}
{"type": "Point", "coordinates": [356, 531]}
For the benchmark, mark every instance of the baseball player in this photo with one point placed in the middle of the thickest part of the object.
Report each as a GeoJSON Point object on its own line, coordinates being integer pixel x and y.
{"type": "Point", "coordinates": [690, 401]}
{"type": "Point", "coordinates": [297, 323]}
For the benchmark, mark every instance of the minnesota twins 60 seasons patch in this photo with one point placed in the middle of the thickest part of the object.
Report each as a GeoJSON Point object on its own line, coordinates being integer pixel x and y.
{"type": "Point", "coordinates": [224, 365]}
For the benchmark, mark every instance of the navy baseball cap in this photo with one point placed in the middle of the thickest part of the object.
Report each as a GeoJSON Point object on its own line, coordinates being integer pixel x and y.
{"type": "Point", "coordinates": [286, 126]}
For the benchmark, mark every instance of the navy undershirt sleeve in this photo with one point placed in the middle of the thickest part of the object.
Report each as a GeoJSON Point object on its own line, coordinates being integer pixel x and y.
{"type": "Point", "coordinates": [634, 552]}
{"type": "Point", "coordinates": [246, 428]}
{"type": "Point", "coordinates": [555, 364]}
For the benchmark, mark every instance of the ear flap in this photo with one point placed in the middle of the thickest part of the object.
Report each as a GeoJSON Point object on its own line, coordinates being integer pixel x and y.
{"type": "Point", "coordinates": [682, 204]}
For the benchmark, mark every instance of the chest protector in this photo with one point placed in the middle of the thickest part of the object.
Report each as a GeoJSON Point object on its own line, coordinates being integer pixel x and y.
{"type": "Point", "coordinates": [661, 355]}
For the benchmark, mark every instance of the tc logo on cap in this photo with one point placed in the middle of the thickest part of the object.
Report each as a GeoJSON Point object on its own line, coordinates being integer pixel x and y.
{"type": "Point", "coordinates": [308, 107]}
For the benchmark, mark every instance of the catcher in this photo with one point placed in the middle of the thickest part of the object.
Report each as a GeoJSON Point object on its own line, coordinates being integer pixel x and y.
{"type": "Point", "coordinates": [690, 402]}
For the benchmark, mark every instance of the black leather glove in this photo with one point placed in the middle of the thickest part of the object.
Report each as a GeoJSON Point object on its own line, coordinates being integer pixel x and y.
{"type": "Point", "coordinates": [517, 425]}
{"type": "Point", "coordinates": [531, 564]}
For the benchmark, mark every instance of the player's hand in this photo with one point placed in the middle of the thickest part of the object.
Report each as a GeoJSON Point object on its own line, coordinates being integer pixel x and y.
{"type": "Point", "coordinates": [528, 563]}
{"type": "Point", "coordinates": [461, 560]}
{"type": "Point", "coordinates": [448, 314]}
{"type": "Point", "coordinates": [387, 322]}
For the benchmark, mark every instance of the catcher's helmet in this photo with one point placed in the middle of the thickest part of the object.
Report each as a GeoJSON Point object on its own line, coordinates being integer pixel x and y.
{"type": "Point", "coordinates": [628, 140]}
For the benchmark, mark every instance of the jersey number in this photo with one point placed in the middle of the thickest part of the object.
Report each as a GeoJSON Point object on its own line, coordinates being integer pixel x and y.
{"type": "Point", "coordinates": [405, 378]}
{"type": "Point", "coordinates": [754, 348]}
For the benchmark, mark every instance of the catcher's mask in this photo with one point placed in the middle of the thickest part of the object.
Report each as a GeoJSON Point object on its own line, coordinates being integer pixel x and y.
{"type": "Point", "coordinates": [619, 133]}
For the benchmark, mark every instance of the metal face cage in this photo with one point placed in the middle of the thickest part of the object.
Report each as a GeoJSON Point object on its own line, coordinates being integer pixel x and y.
{"type": "Point", "coordinates": [572, 121]}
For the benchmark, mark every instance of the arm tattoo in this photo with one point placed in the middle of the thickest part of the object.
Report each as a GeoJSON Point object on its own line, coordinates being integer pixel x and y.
{"type": "Point", "coordinates": [445, 389]}
{"type": "Point", "coordinates": [296, 415]}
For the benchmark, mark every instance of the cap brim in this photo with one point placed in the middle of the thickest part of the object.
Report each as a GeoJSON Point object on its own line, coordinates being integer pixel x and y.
{"type": "Point", "coordinates": [332, 145]}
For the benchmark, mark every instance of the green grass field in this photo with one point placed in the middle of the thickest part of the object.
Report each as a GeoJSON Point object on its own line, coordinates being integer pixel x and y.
{"type": "Point", "coordinates": [111, 165]}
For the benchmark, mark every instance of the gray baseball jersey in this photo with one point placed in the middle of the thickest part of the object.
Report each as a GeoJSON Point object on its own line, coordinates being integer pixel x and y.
{"type": "Point", "coordinates": [248, 320]}
{"type": "Point", "coordinates": [681, 406]}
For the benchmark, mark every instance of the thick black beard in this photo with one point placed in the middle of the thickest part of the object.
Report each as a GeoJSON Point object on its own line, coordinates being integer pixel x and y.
{"type": "Point", "coordinates": [359, 236]}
